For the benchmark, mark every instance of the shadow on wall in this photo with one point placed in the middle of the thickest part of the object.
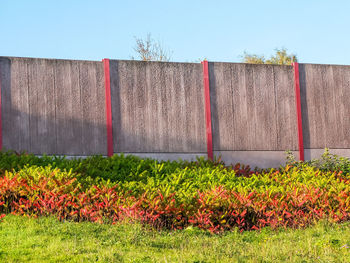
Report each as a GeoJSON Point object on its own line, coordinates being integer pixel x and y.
{"type": "Point", "coordinates": [37, 119]}
{"type": "Point", "coordinates": [42, 114]}
{"type": "Point", "coordinates": [74, 137]}
{"type": "Point", "coordinates": [304, 108]}
{"type": "Point", "coordinates": [157, 107]}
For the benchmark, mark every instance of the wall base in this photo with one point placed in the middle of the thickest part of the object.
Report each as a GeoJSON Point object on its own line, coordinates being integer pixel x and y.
{"type": "Point", "coordinates": [170, 156]}
{"type": "Point", "coordinates": [260, 159]}
{"type": "Point", "coordinates": [316, 153]}
{"type": "Point", "coordinates": [269, 159]}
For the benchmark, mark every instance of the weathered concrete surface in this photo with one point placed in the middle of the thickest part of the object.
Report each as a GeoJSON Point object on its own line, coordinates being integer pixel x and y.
{"type": "Point", "coordinates": [325, 93]}
{"type": "Point", "coordinates": [5, 80]}
{"type": "Point", "coordinates": [253, 107]}
{"type": "Point", "coordinates": [93, 114]}
{"type": "Point", "coordinates": [157, 107]}
{"type": "Point", "coordinates": [15, 104]}
{"type": "Point", "coordinates": [58, 107]}
{"type": "Point", "coordinates": [80, 110]}
{"type": "Point", "coordinates": [286, 117]}
{"type": "Point", "coordinates": [42, 106]}
{"type": "Point", "coordinates": [68, 108]}
{"type": "Point", "coordinates": [53, 106]}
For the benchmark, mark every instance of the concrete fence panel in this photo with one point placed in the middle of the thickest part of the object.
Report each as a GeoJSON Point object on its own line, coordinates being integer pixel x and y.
{"type": "Point", "coordinates": [325, 93]}
{"type": "Point", "coordinates": [15, 104]}
{"type": "Point", "coordinates": [253, 107]}
{"type": "Point", "coordinates": [53, 106]}
{"type": "Point", "coordinates": [157, 107]}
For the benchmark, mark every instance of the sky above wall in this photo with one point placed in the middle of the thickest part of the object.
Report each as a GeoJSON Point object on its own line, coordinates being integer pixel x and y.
{"type": "Point", "coordinates": [316, 30]}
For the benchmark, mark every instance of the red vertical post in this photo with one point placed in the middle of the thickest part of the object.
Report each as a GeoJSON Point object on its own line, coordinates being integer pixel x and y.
{"type": "Point", "coordinates": [108, 107]}
{"type": "Point", "coordinates": [298, 107]}
{"type": "Point", "coordinates": [207, 109]}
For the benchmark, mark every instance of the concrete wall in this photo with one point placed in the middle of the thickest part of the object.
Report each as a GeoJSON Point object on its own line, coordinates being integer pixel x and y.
{"type": "Point", "coordinates": [253, 107]}
{"type": "Point", "coordinates": [325, 93]}
{"type": "Point", "coordinates": [157, 107]}
{"type": "Point", "coordinates": [53, 106]}
{"type": "Point", "coordinates": [253, 113]}
{"type": "Point", "coordinates": [58, 107]}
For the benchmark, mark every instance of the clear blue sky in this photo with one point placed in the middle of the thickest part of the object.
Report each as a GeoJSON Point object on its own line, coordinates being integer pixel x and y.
{"type": "Point", "coordinates": [316, 30]}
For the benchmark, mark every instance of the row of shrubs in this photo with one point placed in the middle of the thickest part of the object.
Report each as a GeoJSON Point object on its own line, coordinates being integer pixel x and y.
{"type": "Point", "coordinates": [175, 195]}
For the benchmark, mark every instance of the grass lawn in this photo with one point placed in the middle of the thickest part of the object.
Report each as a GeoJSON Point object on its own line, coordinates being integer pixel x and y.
{"type": "Point", "coordinates": [48, 240]}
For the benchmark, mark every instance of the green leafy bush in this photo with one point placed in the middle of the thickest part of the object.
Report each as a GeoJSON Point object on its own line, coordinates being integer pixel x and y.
{"type": "Point", "coordinates": [327, 162]}
{"type": "Point", "coordinates": [175, 195]}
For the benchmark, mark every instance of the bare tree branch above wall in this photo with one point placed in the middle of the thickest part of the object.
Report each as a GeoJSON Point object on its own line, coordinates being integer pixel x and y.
{"type": "Point", "coordinates": [148, 49]}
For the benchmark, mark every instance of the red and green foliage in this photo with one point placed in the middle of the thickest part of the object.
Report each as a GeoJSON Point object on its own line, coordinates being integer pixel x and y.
{"type": "Point", "coordinates": [174, 195]}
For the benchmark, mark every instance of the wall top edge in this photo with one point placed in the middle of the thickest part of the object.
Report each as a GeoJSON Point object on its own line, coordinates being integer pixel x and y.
{"type": "Point", "coordinates": [49, 59]}
{"type": "Point", "coordinates": [160, 62]}
{"type": "Point", "coordinates": [172, 62]}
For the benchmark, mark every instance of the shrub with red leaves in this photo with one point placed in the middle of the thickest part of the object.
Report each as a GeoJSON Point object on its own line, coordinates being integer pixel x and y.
{"type": "Point", "coordinates": [216, 209]}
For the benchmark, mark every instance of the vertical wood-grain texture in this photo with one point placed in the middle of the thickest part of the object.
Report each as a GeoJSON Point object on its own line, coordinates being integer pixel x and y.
{"type": "Point", "coordinates": [157, 107]}
{"type": "Point", "coordinates": [325, 93]}
{"type": "Point", "coordinates": [53, 106]}
{"type": "Point", "coordinates": [253, 107]}
{"type": "Point", "coordinates": [58, 106]}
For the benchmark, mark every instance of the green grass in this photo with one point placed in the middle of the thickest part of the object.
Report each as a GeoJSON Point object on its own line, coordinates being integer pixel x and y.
{"type": "Point", "coordinates": [48, 240]}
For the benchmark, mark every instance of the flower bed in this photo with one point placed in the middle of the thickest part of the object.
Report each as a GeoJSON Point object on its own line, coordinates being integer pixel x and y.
{"type": "Point", "coordinates": [172, 195]}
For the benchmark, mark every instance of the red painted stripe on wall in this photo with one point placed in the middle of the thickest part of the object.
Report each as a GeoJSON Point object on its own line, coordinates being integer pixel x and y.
{"type": "Point", "coordinates": [108, 107]}
{"type": "Point", "coordinates": [207, 109]}
{"type": "Point", "coordinates": [298, 107]}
